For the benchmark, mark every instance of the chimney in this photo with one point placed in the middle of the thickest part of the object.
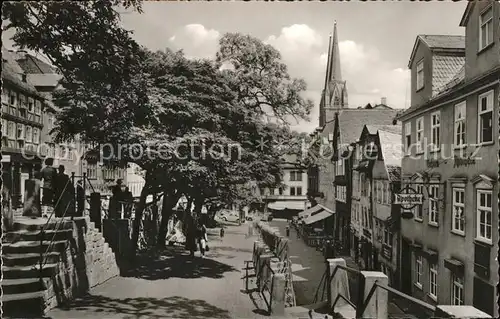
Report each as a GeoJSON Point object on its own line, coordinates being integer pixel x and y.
{"type": "Point", "coordinates": [383, 101]}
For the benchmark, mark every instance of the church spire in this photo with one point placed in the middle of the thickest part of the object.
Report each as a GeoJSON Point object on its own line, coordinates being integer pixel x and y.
{"type": "Point", "coordinates": [333, 65]}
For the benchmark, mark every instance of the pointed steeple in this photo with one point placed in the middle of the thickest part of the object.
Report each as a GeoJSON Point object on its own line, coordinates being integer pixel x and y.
{"type": "Point", "coordinates": [333, 66]}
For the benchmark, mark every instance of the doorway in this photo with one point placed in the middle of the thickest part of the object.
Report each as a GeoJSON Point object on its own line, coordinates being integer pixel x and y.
{"type": "Point", "coordinates": [406, 266]}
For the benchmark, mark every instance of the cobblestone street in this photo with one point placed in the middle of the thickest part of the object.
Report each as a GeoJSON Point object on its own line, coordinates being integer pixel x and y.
{"type": "Point", "coordinates": [173, 286]}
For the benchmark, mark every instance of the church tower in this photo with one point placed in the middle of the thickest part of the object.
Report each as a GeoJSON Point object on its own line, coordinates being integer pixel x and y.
{"type": "Point", "coordinates": [334, 94]}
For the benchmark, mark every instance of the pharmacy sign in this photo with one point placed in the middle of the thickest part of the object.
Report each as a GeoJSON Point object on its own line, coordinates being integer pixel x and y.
{"type": "Point", "coordinates": [408, 198]}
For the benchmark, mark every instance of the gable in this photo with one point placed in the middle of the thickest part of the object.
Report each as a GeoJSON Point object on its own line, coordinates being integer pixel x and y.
{"type": "Point", "coordinates": [483, 182]}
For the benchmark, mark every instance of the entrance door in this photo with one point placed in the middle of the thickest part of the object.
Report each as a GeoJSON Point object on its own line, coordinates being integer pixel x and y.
{"type": "Point", "coordinates": [24, 178]}
{"type": "Point", "coordinates": [406, 266]}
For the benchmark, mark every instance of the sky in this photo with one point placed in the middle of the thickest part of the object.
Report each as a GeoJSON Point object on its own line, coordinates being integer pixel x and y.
{"type": "Point", "coordinates": [375, 38]}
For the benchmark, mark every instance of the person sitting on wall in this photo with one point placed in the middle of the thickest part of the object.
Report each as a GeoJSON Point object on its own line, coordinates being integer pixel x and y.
{"type": "Point", "coordinates": [48, 175]}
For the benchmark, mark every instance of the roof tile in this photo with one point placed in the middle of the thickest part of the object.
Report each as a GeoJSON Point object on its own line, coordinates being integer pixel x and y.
{"type": "Point", "coordinates": [444, 69]}
{"type": "Point", "coordinates": [444, 41]}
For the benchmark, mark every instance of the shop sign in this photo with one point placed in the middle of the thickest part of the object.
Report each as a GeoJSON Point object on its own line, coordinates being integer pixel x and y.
{"type": "Point", "coordinates": [432, 163]}
{"type": "Point", "coordinates": [408, 198]}
{"type": "Point", "coordinates": [463, 161]}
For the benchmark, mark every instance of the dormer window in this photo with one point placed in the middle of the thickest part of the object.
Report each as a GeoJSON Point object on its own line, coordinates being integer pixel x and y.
{"type": "Point", "coordinates": [420, 75]}
{"type": "Point", "coordinates": [486, 28]}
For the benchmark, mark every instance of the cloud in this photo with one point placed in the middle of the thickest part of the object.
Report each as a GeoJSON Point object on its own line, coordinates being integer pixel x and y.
{"type": "Point", "coordinates": [196, 41]}
{"type": "Point", "coordinates": [369, 76]}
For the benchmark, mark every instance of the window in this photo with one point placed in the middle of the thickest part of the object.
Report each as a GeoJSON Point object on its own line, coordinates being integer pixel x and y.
{"type": "Point", "coordinates": [418, 210]}
{"type": "Point", "coordinates": [457, 290]}
{"type": "Point", "coordinates": [420, 135]}
{"type": "Point", "coordinates": [387, 237]}
{"type": "Point", "coordinates": [38, 107]}
{"type": "Point", "coordinates": [50, 121]}
{"type": "Point", "coordinates": [36, 135]}
{"type": "Point", "coordinates": [292, 191]}
{"type": "Point", "coordinates": [295, 176]}
{"type": "Point", "coordinates": [22, 101]}
{"type": "Point", "coordinates": [387, 193]}
{"type": "Point", "coordinates": [92, 171]}
{"type": "Point", "coordinates": [31, 104]}
{"type": "Point", "coordinates": [433, 272]}
{"type": "Point", "coordinates": [13, 99]}
{"type": "Point", "coordinates": [418, 270]}
{"type": "Point", "coordinates": [11, 130]}
{"type": "Point", "coordinates": [485, 118]}
{"type": "Point", "coordinates": [460, 124]}
{"type": "Point", "coordinates": [5, 95]}
{"type": "Point", "coordinates": [299, 191]}
{"type": "Point", "coordinates": [433, 205]}
{"type": "Point", "coordinates": [20, 131]}
{"type": "Point", "coordinates": [4, 127]}
{"type": "Point", "coordinates": [458, 219]}
{"type": "Point", "coordinates": [486, 28]}
{"type": "Point", "coordinates": [484, 215]}
{"type": "Point", "coordinates": [420, 74]}
{"type": "Point", "coordinates": [435, 130]}
{"type": "Point", "coordinates": [280, 190]}
{"type": "Point", "coordinates": [29, 134]}
{"type": "Point", "coordinates": [407, 137]}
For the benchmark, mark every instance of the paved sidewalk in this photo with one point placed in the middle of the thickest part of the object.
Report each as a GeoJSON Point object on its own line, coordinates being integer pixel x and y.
{"type": "Point", "coordinates": [174, 286]}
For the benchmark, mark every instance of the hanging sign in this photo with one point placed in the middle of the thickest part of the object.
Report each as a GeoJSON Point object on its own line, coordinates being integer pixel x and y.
{"type": "Point", "coordinates": [408, 198]}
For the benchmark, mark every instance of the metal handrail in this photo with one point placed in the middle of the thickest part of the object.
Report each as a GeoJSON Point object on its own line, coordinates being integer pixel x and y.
{"type": "Point", "coordinates": [270, 290]}
{"type": "Point", "coordinates": [43, 255]}
{"type": "Point", "coordinates": [396, 292]}
{"type": "Point", "coordinates": [340, 296]}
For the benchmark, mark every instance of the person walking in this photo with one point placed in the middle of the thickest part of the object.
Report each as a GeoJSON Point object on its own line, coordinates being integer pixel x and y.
{"type": "Point", "coordinates": [48, 174]}
{"type": "Point", "coordinates": [117, 200]}
{"type": "Point", "coordinates": [128, 198]}
{"type": "Point", "coordinates": [191, 235]}
{"type": "Point", "coordinates": [202, 239]}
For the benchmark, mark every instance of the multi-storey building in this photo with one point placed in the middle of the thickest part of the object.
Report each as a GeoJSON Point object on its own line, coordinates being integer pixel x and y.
{"type": "Point", "coordinates": [76, 157]}
{"type": "Point", "coordinates": [22, 124]}
{"type": "Point", "coordinates": [290, 199]}
{"type": "Point", "coordinates": [376, 176]}
{"type": "Point", "coordinates": [449, 244]}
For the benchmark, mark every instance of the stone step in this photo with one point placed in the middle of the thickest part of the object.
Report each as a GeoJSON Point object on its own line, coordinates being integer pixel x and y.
{"type": "Point", "coordinates": [32, 224]}
{"type": "Point", "coordinates": [29, 259]}
{"type": "Point", "coordinates": [23, 285]}
{"type": "Point", "coordinates": [34, 235]}
{"type": "Point", "coordinates": [22, 247]}
{"type": "Point", "coordinates": [24, 305]}
{"type": "Point", "coordinates": [16, 272]}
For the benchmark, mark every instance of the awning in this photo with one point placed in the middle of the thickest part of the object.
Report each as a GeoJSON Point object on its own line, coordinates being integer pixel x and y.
{"type": "Point", "coordinates": [282, 205]}
{"type": "Point", "coordinates": [325, 213]}
{"type": "Point", "coordinates": [310, 211]}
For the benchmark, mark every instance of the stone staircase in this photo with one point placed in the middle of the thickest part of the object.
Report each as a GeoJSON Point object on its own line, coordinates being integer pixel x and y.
{"type": "Point", "coordinates": [77, 259]}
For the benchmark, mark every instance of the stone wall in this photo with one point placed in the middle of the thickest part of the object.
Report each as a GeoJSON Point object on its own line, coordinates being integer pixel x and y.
{"type": "Point", "coordinates": [86, 262]}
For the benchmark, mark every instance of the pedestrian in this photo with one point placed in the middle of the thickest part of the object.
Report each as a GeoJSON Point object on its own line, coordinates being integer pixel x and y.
{"type": "Point", "coordinates": [191, 235]}
{"type": "Point", "coordinates": [202, 238]}
{"type": "Point", "coordinates": [128, 198]}
{"type": "Point", "coordinates": [222, 231]}
{"type": "Point", "coordinates": [64, 192]}
{"type": "Point", "coordinates": [287, 229]}
{"type": "Point", "coordinates": [48, 174]}
{"type": "Point", "coordinates": [116, 202]}
{"type": "Point", "coordinates": [80, 198]}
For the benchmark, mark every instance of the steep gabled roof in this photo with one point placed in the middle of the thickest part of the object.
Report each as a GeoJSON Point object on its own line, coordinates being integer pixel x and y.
{"type": "Point", "coordinates": [395, 129]}
{"type": "Point", "coordinates": [392, 153]}
{"type": "Point", "coordinates": [352, 121]}
{"type": "Point", "coordinates": [467, 12]}
{"type": "Point", "coordinates": [12, 72]}
{"type": "Point", "coordinates": [449, 43]}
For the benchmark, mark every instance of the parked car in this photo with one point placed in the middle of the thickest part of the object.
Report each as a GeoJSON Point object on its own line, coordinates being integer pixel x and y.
{"type": "Point", "coordinates": [229, 216]}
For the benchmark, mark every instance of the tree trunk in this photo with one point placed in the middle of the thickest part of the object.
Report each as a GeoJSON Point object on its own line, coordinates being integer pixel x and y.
{"type": "Point", "coordinates": [138, 216]}
{"type": "Point", "coordinates": [169, 201]}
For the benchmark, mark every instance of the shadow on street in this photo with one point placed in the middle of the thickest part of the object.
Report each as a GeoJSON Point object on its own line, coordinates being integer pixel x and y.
{"type": "Point", "coordinates": [164, 265]}
{"type": "Point", "coordinates": [171, 307]}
